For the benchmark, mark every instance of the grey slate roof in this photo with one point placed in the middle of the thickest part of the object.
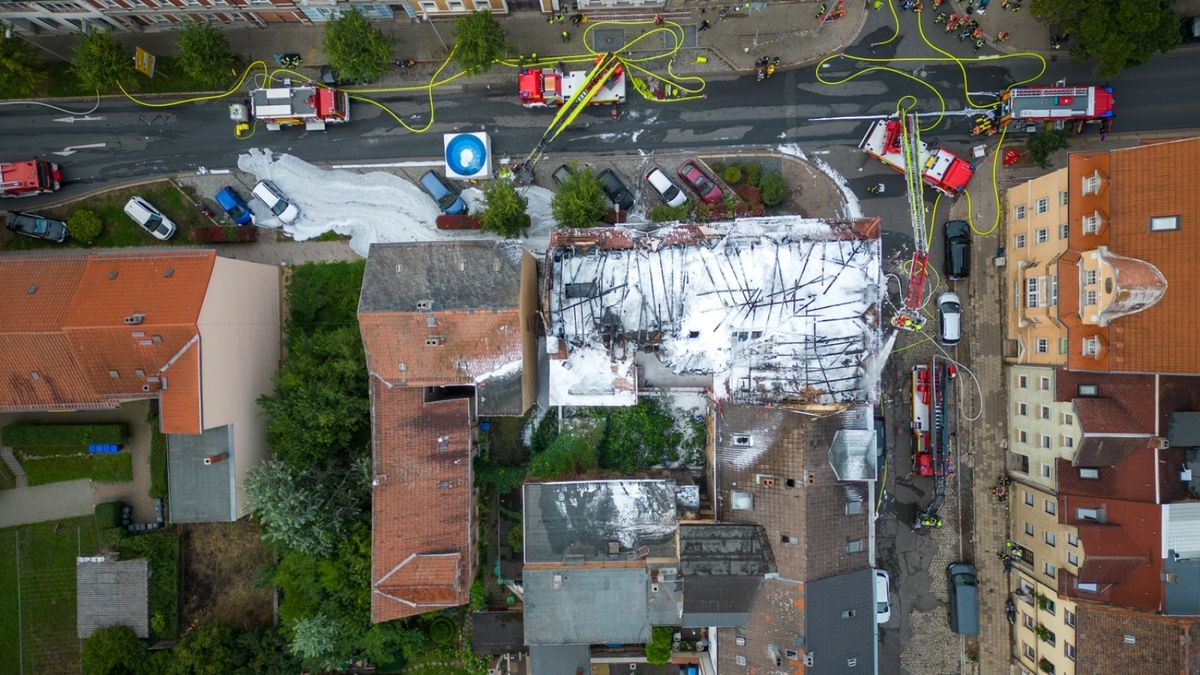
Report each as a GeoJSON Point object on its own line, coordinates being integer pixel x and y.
{"type": "Point", "coordinates": [463, 275]}
{"type": "Point", "coordinates": [840, 618]}
{"type": "Point", "coordinates": [576, 522]}
{"type": "Point", "coordinates": [718, 601]}
{"type": "Point", "coordinates": [560, 660]}
{"type": "Point", "coordinates": [112, 594]}
{"type": "Point", "coordinates": [500, 395]}
{"type": "Point", "coordinates": [199, 493]}
{"type": "Point", "coordinates": [1183, 429]}
{"type": "Point", "coordinates": [586, 606]}
{"type": "Point", "coordinates": [724, 550]}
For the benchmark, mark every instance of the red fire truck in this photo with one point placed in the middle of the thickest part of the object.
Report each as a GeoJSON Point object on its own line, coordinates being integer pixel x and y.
{"type": "Point", "coordinates": [31, 177]}
{"type": "Point", "coordinates": [941, 169]}
{"type": "Point", "coordinates": [1057, 104]}
{"type": "Point", "coordinates": [543, 87]}
{"type": "Point", "coordinates": [931, 436]}
{"type": "Point", "coordinates": [293, 105]}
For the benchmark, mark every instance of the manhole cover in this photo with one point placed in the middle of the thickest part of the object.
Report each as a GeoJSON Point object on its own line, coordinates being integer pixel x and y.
{"type": "Point", "coordinates": [607, 39]}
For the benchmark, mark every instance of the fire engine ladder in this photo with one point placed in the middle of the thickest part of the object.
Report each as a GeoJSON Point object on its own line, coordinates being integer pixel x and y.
{"type": "Point", "coordinates": [575, 105]}
{"type": "Point", "coordinates": [939, 438]}
{"type": "Point", "coordinates": [910, 317]}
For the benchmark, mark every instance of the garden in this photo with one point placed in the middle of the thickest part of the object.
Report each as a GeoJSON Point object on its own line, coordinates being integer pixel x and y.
{"type": "Point", "coordinates": [50, 453]}
{"type": "Point", "coordinates": [750, 187]}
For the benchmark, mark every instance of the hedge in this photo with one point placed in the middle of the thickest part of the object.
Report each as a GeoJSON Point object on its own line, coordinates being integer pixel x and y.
{"type": "Point", "coordinates": [448, 222]}
{"type": "Point", "coordinates": [116, 468]}
{"type": "Point", "coordinates": [162, 550]}
{"type": "Point", "coordinates": [224, 235]}
{"type": "Point", "coordinates": [108, 514]}
{"type": "Point", "coordinates": [158, 460]}
{"type": "Point", "coordinates": [31, 436]}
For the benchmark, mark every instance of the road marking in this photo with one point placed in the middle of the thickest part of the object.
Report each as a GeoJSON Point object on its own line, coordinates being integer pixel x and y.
{"type": "Point", "coordinates": [72, 120]}
{"type": "Point", "coordinates": [390, 165]}
{"type": "Point", "coordinates": [72, 149]}
{"type": "Point", "coordinates": [965, 112]}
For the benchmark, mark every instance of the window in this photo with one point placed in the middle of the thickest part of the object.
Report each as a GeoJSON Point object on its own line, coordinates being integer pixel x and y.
{"type": "Point", "coordinates": [1022, 463]}
{"type": "Point", "coordinates": [1069, 618]}
{"type": "Point", "coordinates": [1051, 540]}
{"type": "Point", "coordinates": [1089, 298]}
{"type": "Point", "coordinates": [1087, 514]}
{"type": "Point", "coordinates": [1164, 223]}
{"type": "Point", "coordinates": [1027, 620]}
{"type": "Point", "coordinates": [1044, 412]}
{"type": "Point", "coordinates": [1019, 241]}
{"type": "Point", "coordinates": [1049, 570]}
{"type": "Point", "coordinates": [1022, 382]}
{"type": "Point", "coordinates": [1028, 499]}
{"type": "Point", "coordinates": [1089, 277]}
{"type": "Point", "coordinates": [853, 508]}
{"type": "Point", "coordinates": [1043, 345]}
{"type": "Point", "coordinates": [1044, 384]}
{"type": "Point", "coordinates": [1028, 651]}
{"type": "Point", "coordinates": [1069, 650]}
{"type": "Point", "coordinates": [1023, 437]}
{"type": "Point", "coordinates": [1022, 409]}
{"type": "Point", "coordinates": [1091, 184]}
{"type": "Point", "coordinates": [1045, 471]}
{"type": "Point", "coordinates": [1068, 441]}
{"type": "Point", "coordinates": [1130, 640]}
{"type": "Point", "coordinates": [1043, 235]}
{"type": "Point", "coordinates": [854, 546]}
{"type": "Point", "coordinates": [1067, 419]}
{"type": "Point", "coordinates": [1072, 559]}
{"type": "Point", "coordinates": [1054, 289]}
{"type": "Point", "coordinates": [742, 441]}
{"type": "Point", "coordinates": [1029, 529]}
{"type": "Point", "coordinates": [1032, 292]}
{"type": "Point", "coordinates": [1087, 587]}
{"type": "Point", "coordinates": [1046, 443]}
{"type": "Point", "coordinates": [1020, 212]}
{"type": "Point", "coordinates": [1089, 473]}
{"type": "Point", "coordinates": [1091, 346]}
{"type": "Point", "coordinates": [1043, 204]}
{"type": "Point", "coordinates": [1051, 507]}
{"type": "Point", "coordinates": [1072, 539]}
{"type": "Point", "coordinates": [1064, 231]}
{"type": "Point", "coordinates": [1063, 198]}
{"type": "Point", "coordinates": [1092, 223]}
{"type": "Point", "coordinates": [1050, 609]}
{"type": "Point", "coordinates": [741, 660]}
{"type": "Point", "coordinates": [1026, 591]}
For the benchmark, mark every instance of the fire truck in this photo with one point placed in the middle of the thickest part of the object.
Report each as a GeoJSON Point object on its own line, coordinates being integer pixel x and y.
{"type": "Point", "coordinates": [931, 434]}
{"type": "Point", "coordinates": [940, 169]}
{"type": "Point", "coordinates": [544, 87]}
{"type": "Point", "coordinates": [293, 105]}
{"type": "Point", "coordinates": [1057, 104]}
{"type": "Point", "coordinates": [31, 177]}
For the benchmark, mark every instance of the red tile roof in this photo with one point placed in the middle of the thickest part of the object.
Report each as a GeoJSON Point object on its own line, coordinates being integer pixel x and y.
{"type": "Point", "coordinates": [71, 338]}
{"type": "Point", "coordinates": [421, 556]}
{"type": "Point", "coordinates": [1115, 640]}
{"type": "Point", "coordinates": [1127, 551]}
{"type": "Point", "coordinates": [454, 347]}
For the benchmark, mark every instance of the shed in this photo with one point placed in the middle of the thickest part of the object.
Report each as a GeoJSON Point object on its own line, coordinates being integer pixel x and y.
{"type": "Point", "coordinates": [111, 593]}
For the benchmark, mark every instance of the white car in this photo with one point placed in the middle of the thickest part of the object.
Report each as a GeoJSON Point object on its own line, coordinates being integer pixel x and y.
{"type": "Point", "coordinates": [266, 192]}
{"type": "Point", "coordinates": [949, 318]}
{"type": "Point", "coordinates": [149, 218]}
{"type": "Point", "coordinates": [883, 608]}
{"type": "Point", "coordinates": [665, 187]}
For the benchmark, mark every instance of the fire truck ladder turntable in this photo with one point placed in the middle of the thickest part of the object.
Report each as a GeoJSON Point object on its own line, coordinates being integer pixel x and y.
{"type": "Point", "coordinates": [910, 317]}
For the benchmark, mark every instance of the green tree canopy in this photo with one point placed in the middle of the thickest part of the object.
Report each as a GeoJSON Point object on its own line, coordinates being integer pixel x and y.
{"type": "Point", "coordinates": [113, 651]}
{"type": "Point", "coordinates": [774, 189]}
{"type": "Point", "coordinates": [479, 41]}
{"type": "Point", "coordinates": [85, 226]}
{"type": "Point", "coordinates": [658, 649]}
{"type": "Point", "coordinates": [100, 61]}
{"type": "Point", "coordinates": [20, 69]}
{"type": "Point", "coordinates": [211, 649]}
{"type": "Point", "coordinates": [308, 510]}
{"type": "Point", "coordinates": [504, 210]}
{"type": "Point", "coordinates": [314, 640]}
{"type": "Point", "coordinates": [580, 202]}
{"type": "Point", "coordinates": [570, 454]}
{"type": "Point", "coordinates": [204, 54]}
{"type": "Point", "coordinates": [1117, 33]}
{"type": "Point", "coordinates": [1045, 143]}
{"type": "Point", "coordinates": [356, 49]}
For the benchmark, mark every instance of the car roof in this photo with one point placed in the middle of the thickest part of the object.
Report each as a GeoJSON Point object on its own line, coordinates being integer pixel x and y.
{"type": "Point", "coordinates": [139, 206]}
{"type": "Point", "coordinates": [954, 228]}
{"type": "Point", "coordinates": [948, 296]}
{"type": "Point", "coordinates": [658, 178]}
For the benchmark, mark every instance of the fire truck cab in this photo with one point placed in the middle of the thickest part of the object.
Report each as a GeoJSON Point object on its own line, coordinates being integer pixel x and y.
{"type": "Point", "coordinates": [543, 87]}
{"type": "Point", "coordinates": [293, 105]}
{"type": "Point", "coordinates": [31, 177]}
{"type": "Point", "coordinates": [942, 170]}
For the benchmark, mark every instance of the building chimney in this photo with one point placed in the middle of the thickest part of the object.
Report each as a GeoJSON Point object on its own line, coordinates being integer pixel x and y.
{"type": "Point", "coordinates": [214, 459]}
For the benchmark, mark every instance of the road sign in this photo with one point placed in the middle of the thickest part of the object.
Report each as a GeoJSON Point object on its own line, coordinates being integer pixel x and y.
{"type": "Point", "coordinates": [143, 62]}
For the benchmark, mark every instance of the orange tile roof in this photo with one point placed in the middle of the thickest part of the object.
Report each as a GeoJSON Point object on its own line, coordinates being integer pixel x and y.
{"type": "Point", "coordinates": [469, 344]}
{"type": "Point", "coordinates": [421, 556]}
{"type": "Point", "coordinates": [69, 345]}
{"type": "Point", "coordinates": [1145, 181]}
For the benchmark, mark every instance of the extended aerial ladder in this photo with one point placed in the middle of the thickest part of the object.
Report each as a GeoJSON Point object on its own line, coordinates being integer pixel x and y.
{"type": "Point", "coordinates": [932, 454]}
{"type": "Point", "coordinates": [909, 316]}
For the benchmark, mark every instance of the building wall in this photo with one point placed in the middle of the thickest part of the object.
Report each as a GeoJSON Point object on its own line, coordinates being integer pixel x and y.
{"type": "Point", "coordinates": [452, 7]}
{"type": "Point", "coordinates": [1057, 615]}
{"type": "Point", "coordinates": [1040, 430]}
{"type": "Point", "coordinates": [1036, 235]}
{"type": "Point", "coordinates": [239, 354]}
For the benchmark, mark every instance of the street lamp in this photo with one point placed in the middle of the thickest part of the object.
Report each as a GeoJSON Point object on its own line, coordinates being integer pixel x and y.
{"type": "Point", "coordinates": [425, 15]}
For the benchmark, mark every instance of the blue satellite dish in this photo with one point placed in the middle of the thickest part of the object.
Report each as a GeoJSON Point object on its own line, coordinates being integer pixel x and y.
{"type": "Point", "coordinates": [466, 155]}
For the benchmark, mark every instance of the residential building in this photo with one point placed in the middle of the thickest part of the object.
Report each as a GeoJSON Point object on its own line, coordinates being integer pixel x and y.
{"type": "Point", "coordinates": [446, 331]}
{"type": "Point", "coordinates": [1041, 429]}
{"type": "Point", "coordinates": [1115, 640]}
{"type": "Point", "coordinates": [1036, 236]}
{"type": "Point", "coordinates": [1044, 638]}
{"type": "Point", "coordinates": [194, 332]}
{"type": "Point", "coordinates": [112, 593]}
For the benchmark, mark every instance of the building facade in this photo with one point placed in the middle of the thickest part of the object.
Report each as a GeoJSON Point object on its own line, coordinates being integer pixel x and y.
{"type": "Point", "coordinates": [1037, 235]}
{"type": "Point", "coordinates": [1041, 430]}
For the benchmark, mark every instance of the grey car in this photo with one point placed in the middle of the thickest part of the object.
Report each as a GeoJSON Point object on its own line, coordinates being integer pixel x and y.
{"type": "Point", "coordinates": [615, 189]}
{"type": "Point", "coordinates": [37, 227]}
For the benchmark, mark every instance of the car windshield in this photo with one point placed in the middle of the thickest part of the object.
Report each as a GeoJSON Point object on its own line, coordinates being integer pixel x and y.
{"type": "Point", "coordinates": [279, 207]}
{"type": "Point", "coordinates": [671, 192]}
{"type": "Point", "coordinates": [162, 228]}
{"type": "Point", "coordinates": [950, 308]}
{"type": "Point", "coordinates": [448, 200]}
{"type": "Point", "coordinates": [153, 221]}
{"type": "Point", "coordinates": [236, 212]}
{"type": "Point", "coordinates": [41, 226]}
{"type": "Point", "coordinates": [881, 606]}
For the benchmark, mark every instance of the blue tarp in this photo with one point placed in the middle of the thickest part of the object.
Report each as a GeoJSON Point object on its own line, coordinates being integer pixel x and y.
{"type": "Point", "coordinates": [103, 449]}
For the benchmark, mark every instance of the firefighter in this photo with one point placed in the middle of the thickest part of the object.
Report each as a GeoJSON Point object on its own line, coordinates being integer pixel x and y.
{"type": "Point", "coordinates": [566, 36]}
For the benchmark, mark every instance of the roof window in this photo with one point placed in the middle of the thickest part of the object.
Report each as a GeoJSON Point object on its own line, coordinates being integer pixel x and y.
{"type": "Point", "coordinates": [1164, 223]}
{"type": "Point", "coordinates": [424, 305]}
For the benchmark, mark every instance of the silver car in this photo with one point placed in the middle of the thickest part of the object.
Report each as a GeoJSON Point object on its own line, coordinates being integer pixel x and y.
{"type": "Point", "coordinates": [266, 192]}
{"type": "Point", "coordinates": [149, 218]}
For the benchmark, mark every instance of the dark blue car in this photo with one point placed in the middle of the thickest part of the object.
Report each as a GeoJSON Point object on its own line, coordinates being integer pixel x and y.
{"type": "Point", "coordinates": [235, 206]}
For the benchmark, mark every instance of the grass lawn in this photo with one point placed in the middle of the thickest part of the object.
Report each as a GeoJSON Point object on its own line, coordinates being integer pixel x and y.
{"type": "Point", "coordinates": [162, 550]}
{"type": "Point", "coordinates": [168, 78]}
{"type": "Point", "coordinates": [46, 642]}
{"type": "Point", "coordinates": [119, 230]}
{"type": "Point", "coordinates": [105, 468]}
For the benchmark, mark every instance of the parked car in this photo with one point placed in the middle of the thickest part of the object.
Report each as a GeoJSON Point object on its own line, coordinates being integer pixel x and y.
{"type": "Point", "coordinates": [699, 182]}
{"type": "Point", "coordinates": [956, 235]}
{"type": "Point", "coordinates": [615, 189]}
{"type": "Point", "coordinates": [444, 194]}
{"type": "Point", "coordinates": [665, 187]}
{"type": "Point", "coordinates": [235, 206]}
{"type": "Point", "coordinates": [949, 318]}
{"type": "Point", "coordinates": [1190, 29]}
{"type": "Point", "coordinates": [38, 227]}
{"type": "Point", "coordinates": [151, 219]}
{"type": "Point", "coordinates": [964, 599]}
{"type": "Point", "coordinates": [266, 192]}
{"type": "Point", "coordinates": [561, 174]}
{"type": "Point", "coordinates": [883, 607]}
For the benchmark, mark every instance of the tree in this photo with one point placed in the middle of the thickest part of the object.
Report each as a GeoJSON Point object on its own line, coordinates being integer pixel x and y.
{"type": "Point", "coordinates": [568, 455]}
{"type": "Point", "coordinates": [319, 408]}
{"type": "Point", "coordinates": [20, 70]}
{"type": "Point", "coordinates": [308, 510]}
{"type": "Point", "coordinates": [211, 649]}
{"type": "Point", "coordinates": [504, 210]}
{"type": "Point", "coordinates": [100, 61]}
{"type": "Point", "coordinates": [115, 650]}
{"type": "Point", "coordinates": [85, 226]}
{"type": "Point", "coordinates": [204, 54]}
{"type": "Point", "coordinates": [1117, 33]}
{"type": "Point", "coordinates": [658, 649]}
{"type": "Point", "coordinates": [314, 640]}
{"type": "Point", "coordinates": [774, 189]}
{"type": "Point", "coordinates": [580, 202]}
{"type": "Point", "coordinates": [1045, 143]}
{"type": "Point", "coordinates": [356, 49]}
{"type": "Point", "coordinates": [478, 42]}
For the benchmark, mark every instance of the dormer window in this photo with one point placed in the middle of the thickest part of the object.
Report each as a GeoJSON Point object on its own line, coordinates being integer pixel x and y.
{"type": "Point", "coordinates": [1092, 184]}
{"type": "Point", "coordinates": [1092, 223]}
{"type": "Point", "coordinates": [1091, 346]}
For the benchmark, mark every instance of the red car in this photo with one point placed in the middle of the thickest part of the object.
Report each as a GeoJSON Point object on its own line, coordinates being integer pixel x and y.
{"type": "Point", "coordinates": [700, 183]}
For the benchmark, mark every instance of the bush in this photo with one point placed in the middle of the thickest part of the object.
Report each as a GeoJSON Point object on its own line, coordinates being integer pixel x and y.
{"type": "Point", "coordinates": [441, 630]}
{"type": "Point", "coordinates": [732, 174]}
{"type": "Point", "coordinates": [658, 649]}
{"type": "Point", "coordinates": [228, 234]}
{"type": "Point", "coordinates": [162, 550]}
{"type": "Point", "coordinates": [661, 213]}
{"type": "Point", "coordinates": [158, 460]}
{"type": "Point", "coordinates": [478, 596]}
{"type": "Point", "coordinates": [112, 536]}
{"type": "Point", "coordinates": [100, 61]}
{"type": "Point", "coordinates": [774, 189]}
{"type": "Point", "coordinates": [85, 226]}
{"type": "Point", "coordinates": [113, 650]}
{"type": "Point", "coordinates": [748, 193]}
{"type": "Point", "coordinates": [754, 172]}
{"type": "Point", "coordinates": [504, 210]}
{"type": "Point", "coordinates": [30, 436]}
{"type": "Point", "coordinates": [516, 538]}
{"type": "Point", "coordinates": [1045, 143]}
{"type": "Point", "coordinates": [449, 222]}
{"type": "Point", "coordinates": [107, 514]}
